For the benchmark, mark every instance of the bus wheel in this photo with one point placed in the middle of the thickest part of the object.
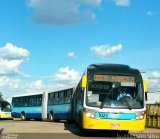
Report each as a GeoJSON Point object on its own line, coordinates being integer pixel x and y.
{"type": "Point", "coordinates": [23, 117]}
{"type": "Point", "coordinates": [80, 122]}
{"type": "Point", "coordinates": [125, 132]}
{"type": "Point", "coordinates": [51, 116]}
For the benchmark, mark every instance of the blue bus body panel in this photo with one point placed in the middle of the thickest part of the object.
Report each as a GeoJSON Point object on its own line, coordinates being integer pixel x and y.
{"type": "Point", "coordinates": [61, 111]}
{"type": "Point", "coordinates": [31, 112]}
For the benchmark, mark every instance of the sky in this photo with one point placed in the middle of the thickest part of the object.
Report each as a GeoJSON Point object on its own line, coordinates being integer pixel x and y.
{"type": "Point", "coordinates": [46, 44]}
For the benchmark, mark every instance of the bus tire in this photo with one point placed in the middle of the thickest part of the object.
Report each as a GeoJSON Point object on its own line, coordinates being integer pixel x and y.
{"type": "Point", "coordinates": [124, 132]}
{"type": "Point", "coordinates": [23, 116]}
{"type": "Point", "coordinates": [51, 116]}
{"type": "Point", "coordinates": [80, 121]}
{"type": "Point", "coordinates": [38, 119]}
{"type": "Point", "coordinates": [70, 121]}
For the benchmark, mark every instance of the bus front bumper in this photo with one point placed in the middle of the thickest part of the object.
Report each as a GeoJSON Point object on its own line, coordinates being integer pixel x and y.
{"type": "Point", "coordinates": [4, 116]}
{"type": "Point", "coordinates": [108, 124]}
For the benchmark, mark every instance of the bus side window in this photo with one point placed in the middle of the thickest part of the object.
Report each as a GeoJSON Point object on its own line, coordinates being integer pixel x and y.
{"type": "Point", "coordinates": [61, 97]}
{"type": "Point", "coordinates": [21, 101]}
{"type": "Point", "coordinates": [39, 102]}
{"type": "Point", "coordinates": [27, 101]}
{"type": "Point", "coordinates": [30, 101]}
{"type": "Point", "coordinates": [68, 96]}
{"type": "Point", "coordinates": [56, 98]}
{"type": "Point", "coordinates": [80, 95]}
{"type": "Point", "coordinates": [15, 102]}
{"type": "Point", "coordinates": [36, 101]}
{"type": "Point", "coordinates": [49, 99]}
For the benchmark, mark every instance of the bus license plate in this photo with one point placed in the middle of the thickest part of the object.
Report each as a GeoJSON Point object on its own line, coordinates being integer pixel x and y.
{"type": "Point", "coordinates": [114, 125]}
{"type": "Point", "coordinates": [102, 115]}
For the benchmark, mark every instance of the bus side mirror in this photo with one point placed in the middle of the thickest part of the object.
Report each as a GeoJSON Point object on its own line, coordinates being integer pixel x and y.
{"type": "Point", "coordinates": [145, 86]}
{"type": "Point", "coordinates": [84, 81]}
{"type": "Point", "coordinates": [146, 98]}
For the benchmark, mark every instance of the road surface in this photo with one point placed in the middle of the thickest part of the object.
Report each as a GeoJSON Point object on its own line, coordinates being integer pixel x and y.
{"type": "Point", "coordinates": [17, 129]}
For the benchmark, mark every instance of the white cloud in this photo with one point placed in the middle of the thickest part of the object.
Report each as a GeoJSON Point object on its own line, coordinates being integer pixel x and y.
{"type": "Point", "coordinates": [62, 12]}
{"type": "Point", "coordinates": [9, 51]}
{"type": "Point", "coordinates": [122, 2]}
{"type": "Point", "coordinates": [67, 74]}
{"type": "Point", "coordinates": [105, 50]}
{"type": "Point", "coordinates": [154, 85]}
{"type": "Point", "coordinates": [91, 2]}
{"type": "Point", "coordinates": [36, 85]}
{"type": "Point", "coordinates": [153, 80]}
{"type": "Point", "coordinates": [155, 74]}
{"type": "Point", "coordinates": [9, 83]}
{"type": "Point", "coordinates": [11, 58]}
{"type": "Point", "coordinates": [9, 66]}
{"type": "Point", "coordinates": [71, 54]}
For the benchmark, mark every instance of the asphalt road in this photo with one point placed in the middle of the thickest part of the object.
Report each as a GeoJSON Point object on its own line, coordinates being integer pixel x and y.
{"type": "Point", "coordinates": [17, 129]}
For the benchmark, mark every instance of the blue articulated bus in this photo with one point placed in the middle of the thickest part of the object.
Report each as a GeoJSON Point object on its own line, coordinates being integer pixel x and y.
{"type": "Point", "coordinates": [29, 106]}
{"type": "Point", "coordinates": [59, 104]}
{"type": "Point", "coordinates": [54, 105]}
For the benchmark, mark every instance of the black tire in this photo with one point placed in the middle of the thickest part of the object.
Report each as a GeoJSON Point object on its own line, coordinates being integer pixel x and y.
{"type": "Point", "coordinates": [38, 119]}
{"type": "Point", "coordinates": [23, 116]}
{"type": "Point", "coordinates": [51, 116]}
{"type": "Point", "coordinates": [80, 121]}
{"type": "Point", "coordinates": [124, 132]}
{"type": "Point", "coordinates": [56, 120]}
{"type": "Point", "coordinates": [70, 121]}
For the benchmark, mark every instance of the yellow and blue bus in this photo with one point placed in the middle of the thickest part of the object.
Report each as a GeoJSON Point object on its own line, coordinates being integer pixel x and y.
{"type": "Point", "coordinates": [5, 109]}
{"type": "Point", "coordinates": [29, 106]}
{"type": "Point", "coordinates": [96, 104]}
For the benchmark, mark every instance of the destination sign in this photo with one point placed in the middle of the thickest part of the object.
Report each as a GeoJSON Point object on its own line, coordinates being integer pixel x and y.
{"type": "Point", "coordinates": [114, 78]}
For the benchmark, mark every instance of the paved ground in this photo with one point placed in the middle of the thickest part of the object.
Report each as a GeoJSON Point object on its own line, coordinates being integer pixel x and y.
{"type": "Point", "coordinates": [43, 129]}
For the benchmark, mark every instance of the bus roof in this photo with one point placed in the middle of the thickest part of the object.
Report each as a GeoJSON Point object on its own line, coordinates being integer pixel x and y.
{"type": "Point", "coordinates": [113, 68]}
{"type": "Point", "coordinates": [27, 94]}
{"type": "Point", "coordinates": [40, 93]}
{"type": "Point", "coordinates": [62, 88]}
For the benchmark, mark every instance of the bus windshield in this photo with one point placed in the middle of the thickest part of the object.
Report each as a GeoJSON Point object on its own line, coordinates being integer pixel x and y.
{"type": "Point", "coordinates": [115, 91]}
{"type": "Point", "coordinates": [5, 106]}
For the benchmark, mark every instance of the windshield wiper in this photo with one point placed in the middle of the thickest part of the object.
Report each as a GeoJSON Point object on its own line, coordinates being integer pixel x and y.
{"type": "Point", "coordinates": [102, 105]}
{"type": "Point", "coordinates": [105, 100]}
{"type": "Point", "coordinates": [126, 101]}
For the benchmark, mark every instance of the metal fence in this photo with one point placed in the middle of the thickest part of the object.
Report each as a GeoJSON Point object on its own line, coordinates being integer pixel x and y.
{"type": "Point", "coordinates": [153, 116]}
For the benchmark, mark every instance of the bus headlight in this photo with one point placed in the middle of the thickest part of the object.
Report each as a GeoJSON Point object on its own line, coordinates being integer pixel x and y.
{"type": "Point", "coordinates": [140, 116]}
{"type": "Point", "coordinates": [89, 113]}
